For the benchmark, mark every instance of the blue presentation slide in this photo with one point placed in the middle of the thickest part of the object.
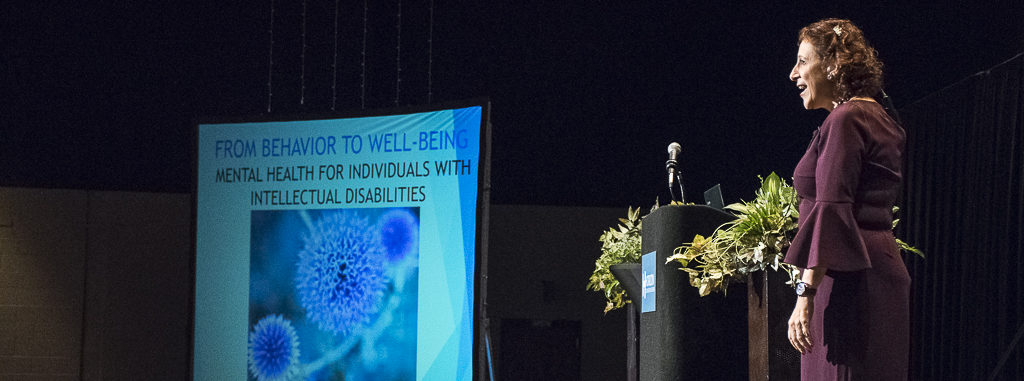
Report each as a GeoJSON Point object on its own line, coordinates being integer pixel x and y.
{"type": "Point", "coordinates": [338, 249]}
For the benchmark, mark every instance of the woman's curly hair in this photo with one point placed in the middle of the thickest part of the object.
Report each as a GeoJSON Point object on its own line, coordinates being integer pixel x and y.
{"type": "Point", "coordinates": [846, 54]}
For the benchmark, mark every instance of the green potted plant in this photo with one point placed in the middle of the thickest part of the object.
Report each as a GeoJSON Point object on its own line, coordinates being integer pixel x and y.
{"type": "Point", "coordinates": [755, 241]}
{"type": "Point", "coordinates": [620, 254]}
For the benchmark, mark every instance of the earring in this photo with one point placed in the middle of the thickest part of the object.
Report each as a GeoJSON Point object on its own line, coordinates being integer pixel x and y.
{"type": "Point", "coordinates": [829, 76]}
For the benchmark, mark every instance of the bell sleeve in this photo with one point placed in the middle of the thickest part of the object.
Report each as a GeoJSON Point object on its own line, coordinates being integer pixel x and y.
{"type": "Point", "coordinates": [828, 236]}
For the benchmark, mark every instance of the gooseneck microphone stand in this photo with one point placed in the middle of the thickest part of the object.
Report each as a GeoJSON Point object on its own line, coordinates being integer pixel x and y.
{"type": "Point", "coordinates": [674, 176]}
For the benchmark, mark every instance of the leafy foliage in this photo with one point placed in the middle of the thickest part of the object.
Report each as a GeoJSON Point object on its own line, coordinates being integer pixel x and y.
{"type": "Point", "coordinates": [903, 245]}
{"type": "Point", "coordinates": [619, 244]}
{"type": "Point", "coordinates": [754, 241]}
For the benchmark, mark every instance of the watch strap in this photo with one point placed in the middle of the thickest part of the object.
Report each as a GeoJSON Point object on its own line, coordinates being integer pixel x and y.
{"type": "Point", "coordinates": [805, 289]}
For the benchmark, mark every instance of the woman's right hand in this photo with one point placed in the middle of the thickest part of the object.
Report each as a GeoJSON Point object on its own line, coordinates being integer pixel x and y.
{"type": "Point", "coordinates": [800, 324]}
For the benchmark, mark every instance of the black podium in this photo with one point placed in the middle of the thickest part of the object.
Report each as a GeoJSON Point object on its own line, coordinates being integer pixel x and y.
{"type": "Point", "coordinates": [688, 337]}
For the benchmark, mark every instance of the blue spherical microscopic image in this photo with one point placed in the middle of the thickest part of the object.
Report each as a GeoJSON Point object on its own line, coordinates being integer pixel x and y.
{"type": "Point", "coordinates": [353, 310]}
{"type": "Point", "coordinates": [340, 274]}
{"type": "Point", "coordinates": [273, 349]}
{"type": "Point", "coordinates": [399, 232]}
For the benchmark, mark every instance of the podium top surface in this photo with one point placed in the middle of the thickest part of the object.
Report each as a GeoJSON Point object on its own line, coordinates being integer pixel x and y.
{"type": "Point", "coordinates": [697, 212]}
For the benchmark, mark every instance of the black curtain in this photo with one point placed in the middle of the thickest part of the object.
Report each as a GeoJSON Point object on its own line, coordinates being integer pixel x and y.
{"type": "Point", "coordinates": [963, 204]}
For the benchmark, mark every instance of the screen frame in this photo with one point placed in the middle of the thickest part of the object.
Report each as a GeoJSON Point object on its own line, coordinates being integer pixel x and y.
{"type": "Point", "coordinates": [480, 322]}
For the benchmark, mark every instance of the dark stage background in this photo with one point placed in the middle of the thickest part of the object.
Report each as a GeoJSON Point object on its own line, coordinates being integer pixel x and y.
{"type": "Point", "coordinates": [964, 204]}
{"type": "Point", "coordinates": [585, 95]}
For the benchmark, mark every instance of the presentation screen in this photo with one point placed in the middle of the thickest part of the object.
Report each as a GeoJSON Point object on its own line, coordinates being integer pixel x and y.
{"type": "Point", "coordinates": [341, 248]}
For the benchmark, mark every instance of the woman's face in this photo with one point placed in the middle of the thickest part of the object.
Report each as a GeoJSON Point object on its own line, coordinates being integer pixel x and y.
{"type": "Point", "coordinates": [810, 77]}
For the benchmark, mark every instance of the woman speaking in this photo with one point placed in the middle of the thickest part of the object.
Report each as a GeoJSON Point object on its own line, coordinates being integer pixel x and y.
{"type": "Point", "coordinates": [852, 316]}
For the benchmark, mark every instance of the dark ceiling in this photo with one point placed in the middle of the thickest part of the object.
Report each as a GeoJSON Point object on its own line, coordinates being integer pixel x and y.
{"type": "Point", "coordinates": [585, 98]}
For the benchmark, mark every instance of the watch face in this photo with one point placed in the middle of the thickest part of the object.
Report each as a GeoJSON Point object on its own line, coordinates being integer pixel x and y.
{"type": "Point", "coordinates": [801, 287]}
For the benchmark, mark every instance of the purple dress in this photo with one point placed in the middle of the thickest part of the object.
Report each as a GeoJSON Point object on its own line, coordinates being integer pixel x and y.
{"type": "Point", "coordinates": [848, 181]}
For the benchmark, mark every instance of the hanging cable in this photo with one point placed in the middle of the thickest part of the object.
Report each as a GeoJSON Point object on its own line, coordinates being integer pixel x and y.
{"type": "Point", "coordinates": [398, 55]}
{"type": "Point", "coordinates": [430, 57]}
{"type": "Point", "coordinates": [270, 65]}
{"type": "Point", "coordinates": [302, 75]}
{"type": "Point", "coordinates": [362, 87]}
{"type": "Point", "coordinates": [334, 67]}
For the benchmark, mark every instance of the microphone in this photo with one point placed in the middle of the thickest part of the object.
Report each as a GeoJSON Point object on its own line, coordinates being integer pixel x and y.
{"type": "Point", "coordinates": [670, 165]}
{"type": "Point", "coordinates": [890, 107]}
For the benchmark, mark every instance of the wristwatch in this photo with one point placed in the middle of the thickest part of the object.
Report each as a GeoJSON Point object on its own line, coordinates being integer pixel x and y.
{"type": "Point", "coordinates": [804, 289]}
